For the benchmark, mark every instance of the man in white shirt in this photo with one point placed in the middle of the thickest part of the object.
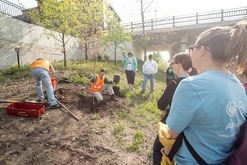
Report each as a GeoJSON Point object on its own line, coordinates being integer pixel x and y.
{"type": "Point", "coordinates": [149, 69]}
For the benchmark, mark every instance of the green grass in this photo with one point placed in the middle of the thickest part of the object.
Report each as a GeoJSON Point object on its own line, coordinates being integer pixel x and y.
{"type": "Point", "coordinates": [15, 74]}
{"type": "Point", "coordinates": [118, 128]}
{"type": "Point", "coordinates": [138, 140]}
{"type": "Point", "coordinates": [141, 112]}
{"type": "Point", "coordinates": [82, 71]}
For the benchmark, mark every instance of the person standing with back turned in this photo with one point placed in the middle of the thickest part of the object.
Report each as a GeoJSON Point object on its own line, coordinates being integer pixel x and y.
{"type": "Point", "coordinates": [182, 67]}
{"type": "Point", "coordinates": [209, 108]}
{"type": "Point", "coordinates": [41, 70]}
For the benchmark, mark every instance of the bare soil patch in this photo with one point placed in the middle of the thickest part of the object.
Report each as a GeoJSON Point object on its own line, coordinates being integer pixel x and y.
{"type": "Point", "coordinates": [57, 138]}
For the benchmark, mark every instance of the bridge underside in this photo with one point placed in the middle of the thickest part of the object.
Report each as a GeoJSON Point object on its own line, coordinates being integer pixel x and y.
{"type": "Point", "coordinates": [175, 40]}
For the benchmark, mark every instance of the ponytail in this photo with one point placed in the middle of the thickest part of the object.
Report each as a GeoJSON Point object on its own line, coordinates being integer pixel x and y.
{"type": "Point", "coordinates": [236, 49]}
{"type": "Point", "coordinates": [192, 71]}
{"type": "Point", "coordinates": [184, 59]}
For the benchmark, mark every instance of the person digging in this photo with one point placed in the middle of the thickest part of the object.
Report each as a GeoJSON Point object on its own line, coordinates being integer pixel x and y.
{"type": "Point", "coordinates": [41, 70]}
{"type": "Point", "coordinates": [99, 84]}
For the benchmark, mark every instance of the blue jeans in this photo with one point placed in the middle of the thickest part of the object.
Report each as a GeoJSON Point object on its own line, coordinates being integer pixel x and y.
{"type": "Point", "coordinates": [43, 76]}
{"type": "Point", "coordinates": [151, 78]}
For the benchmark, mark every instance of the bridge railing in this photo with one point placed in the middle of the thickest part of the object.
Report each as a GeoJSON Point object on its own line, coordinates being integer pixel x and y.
{"type": "Point", "coordinates": [192, 19]}
{"type": "Point", "coordinates": [11, 9]}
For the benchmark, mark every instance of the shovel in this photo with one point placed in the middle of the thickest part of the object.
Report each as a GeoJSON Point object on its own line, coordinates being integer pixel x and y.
{"type": "Point", "coordinates": [68, 110]}
{"type": "Point", "coordinates": [15, 101]}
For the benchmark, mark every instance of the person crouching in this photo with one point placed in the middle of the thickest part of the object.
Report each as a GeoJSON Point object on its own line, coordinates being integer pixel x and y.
{"type": "Point", "coordinates": [99, 84]}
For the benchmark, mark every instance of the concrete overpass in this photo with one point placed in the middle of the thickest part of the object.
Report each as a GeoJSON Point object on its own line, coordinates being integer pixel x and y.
{"type": "Point", "coordinates": [172, 34]}
{"type": "Point", "coordinates": [176, 33]}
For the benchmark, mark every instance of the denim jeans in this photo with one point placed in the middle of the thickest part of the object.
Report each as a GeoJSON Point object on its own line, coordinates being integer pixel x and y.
{"type": "Point", "coordinates": [151, 78]}
{"type": "Point", "coordinates": [43, 76]}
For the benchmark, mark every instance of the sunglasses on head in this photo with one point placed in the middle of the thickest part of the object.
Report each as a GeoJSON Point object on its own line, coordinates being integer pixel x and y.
{"type": "Point", "coordinates": [173, 62]}
{"type": "Point", "coordinates": [192, 47]}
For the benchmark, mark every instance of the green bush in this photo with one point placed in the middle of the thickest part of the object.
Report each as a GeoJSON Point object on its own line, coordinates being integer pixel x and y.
{"type": "Point", "coordinates": [106, 57]}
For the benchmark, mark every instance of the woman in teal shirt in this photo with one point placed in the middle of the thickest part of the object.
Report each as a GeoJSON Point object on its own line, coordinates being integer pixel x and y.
{"type": "Point", "coordinates": [130, 67]}
{"type": "Point", "coordinates": [210, 107]}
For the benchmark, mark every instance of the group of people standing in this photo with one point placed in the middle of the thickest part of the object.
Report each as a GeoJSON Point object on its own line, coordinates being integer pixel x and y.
{"type": "Point", "coordinates": [149, 69]}
{"type": "Point", "coordinates": [207, 102]}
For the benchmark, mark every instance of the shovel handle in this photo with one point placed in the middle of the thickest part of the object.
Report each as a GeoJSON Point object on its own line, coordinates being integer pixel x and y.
{"type": "Point", "coordinates": [8, 101]}
{"type": "Point", "coordinates": [15, 101]}
{"type": "Point", "coordinates": [68, 110]}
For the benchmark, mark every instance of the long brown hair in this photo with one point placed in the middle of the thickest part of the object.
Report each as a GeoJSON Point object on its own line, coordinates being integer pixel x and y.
{"type": "Point", "coordinates": [227, 44]}
{"type": "Point", "coordinates": [185, 60]}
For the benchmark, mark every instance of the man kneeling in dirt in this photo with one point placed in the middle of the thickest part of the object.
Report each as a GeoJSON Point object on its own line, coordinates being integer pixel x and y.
{"type": "Point", "coordinates": [99, 84]}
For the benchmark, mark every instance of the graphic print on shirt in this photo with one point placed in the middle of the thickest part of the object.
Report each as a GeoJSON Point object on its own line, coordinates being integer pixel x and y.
{"type": "Point", "coordinates": [232, 109]}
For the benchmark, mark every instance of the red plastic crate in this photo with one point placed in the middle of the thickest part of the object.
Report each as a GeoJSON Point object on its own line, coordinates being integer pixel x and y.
{"type": "Point", "coordinates": [25, 109]}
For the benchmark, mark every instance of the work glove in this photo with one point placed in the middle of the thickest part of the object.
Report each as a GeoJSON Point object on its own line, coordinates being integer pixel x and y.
{"type": "Point", "coordinates": [165, 160]}
{"type": "Point", "coordinates": [164, 136]}
{"type": "Point", "coordinates": [94, 79]}
{"type": "Point", "coordinates": [109, 82]}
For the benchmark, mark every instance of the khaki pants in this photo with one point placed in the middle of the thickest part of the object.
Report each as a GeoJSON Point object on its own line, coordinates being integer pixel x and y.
{"type": "Point", "coordinates": [99, 96]}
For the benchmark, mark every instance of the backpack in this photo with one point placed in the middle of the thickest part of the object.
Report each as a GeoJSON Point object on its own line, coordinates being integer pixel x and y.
{"type": "Point", "coordinates": [238, 156]}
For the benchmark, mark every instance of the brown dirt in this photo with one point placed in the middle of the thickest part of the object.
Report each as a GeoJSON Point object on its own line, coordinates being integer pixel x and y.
{"type": "Point", "coordinates": [57, 138]}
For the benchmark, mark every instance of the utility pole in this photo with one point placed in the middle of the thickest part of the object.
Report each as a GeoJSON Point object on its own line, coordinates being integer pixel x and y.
{"type": "Point", "coordinates": [143, 28]}
{"type": "Point", "coordinates": [156, 18]}
{"type": "Point", "coordinates": [143, 32]}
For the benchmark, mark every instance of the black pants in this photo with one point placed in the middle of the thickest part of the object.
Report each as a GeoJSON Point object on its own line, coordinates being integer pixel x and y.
{"type": "Point", "coordinates": [157, 155]}
{"type": "Point", "coordinates": [130, 76]}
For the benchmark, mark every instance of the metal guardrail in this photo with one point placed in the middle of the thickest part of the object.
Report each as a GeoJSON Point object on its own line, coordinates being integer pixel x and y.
{"type": "Point", "coordinates": [192, 19]}
{"type": "Point", "coordinates": [11, 9]}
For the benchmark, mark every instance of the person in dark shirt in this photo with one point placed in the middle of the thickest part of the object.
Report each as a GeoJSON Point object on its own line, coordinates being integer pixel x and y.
{"type": "Point", "coordinates": [169, 75]}
{"type": "Point", "coordinates": [182, 67]}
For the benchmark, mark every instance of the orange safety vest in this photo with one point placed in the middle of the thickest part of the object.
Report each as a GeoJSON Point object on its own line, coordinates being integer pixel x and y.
{"type": "Point", "coordinates": [95, 87]}
{"type": "Point", "coordinates": [41, 63]}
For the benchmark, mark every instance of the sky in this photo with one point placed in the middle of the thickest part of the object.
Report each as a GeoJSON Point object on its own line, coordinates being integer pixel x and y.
{"type": "Point", "coordinates": [129, 10]}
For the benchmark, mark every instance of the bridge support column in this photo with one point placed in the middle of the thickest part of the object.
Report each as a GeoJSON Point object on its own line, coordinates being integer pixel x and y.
{"type": "Point", "coordinates": [184, 42]}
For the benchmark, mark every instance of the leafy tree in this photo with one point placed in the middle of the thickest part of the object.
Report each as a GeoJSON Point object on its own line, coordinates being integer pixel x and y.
{"type": "Point", "coordinates": [115, 35]}
{"type": "Point", "coordinates": [157, 57]}
{"type": "Point", "coordinates": [57, 16]}
{"type": "Point", "coordinates": [77, 18]}
{"type": "Point", "coordinates": [90, 30]}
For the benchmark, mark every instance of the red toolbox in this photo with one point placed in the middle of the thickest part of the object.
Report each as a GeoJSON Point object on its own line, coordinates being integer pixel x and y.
{"type": "Point", "coordinates": [25, 109]}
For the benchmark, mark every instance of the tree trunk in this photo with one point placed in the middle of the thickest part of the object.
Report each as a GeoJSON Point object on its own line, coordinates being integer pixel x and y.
{"type": "Point", "coordinates": [115, 53]}
{"type": "Point", "coordinates": [86, 51]}
{"type": "Point", "coordinates": [64, 51]}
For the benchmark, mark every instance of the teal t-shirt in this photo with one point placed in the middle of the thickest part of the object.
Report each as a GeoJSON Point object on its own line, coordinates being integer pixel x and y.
{"type": "Point", "coordinates": [209, 108]}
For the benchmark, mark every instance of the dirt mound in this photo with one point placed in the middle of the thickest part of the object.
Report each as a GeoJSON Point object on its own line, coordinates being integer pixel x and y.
{"type": "Point", "coordinates": [57, 137]}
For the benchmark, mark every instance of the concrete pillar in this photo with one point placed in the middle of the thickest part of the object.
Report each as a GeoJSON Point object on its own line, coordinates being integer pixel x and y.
{"type": "Point", "coordinates": [184, 42]}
